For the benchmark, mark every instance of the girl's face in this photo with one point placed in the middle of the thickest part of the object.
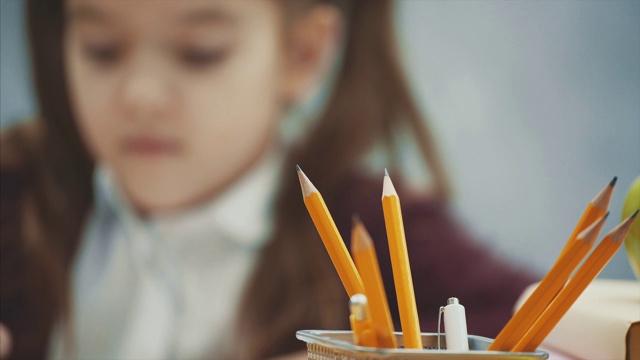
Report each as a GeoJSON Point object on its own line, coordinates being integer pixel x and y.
{"type": "Point", "coordinates": [178, 98]}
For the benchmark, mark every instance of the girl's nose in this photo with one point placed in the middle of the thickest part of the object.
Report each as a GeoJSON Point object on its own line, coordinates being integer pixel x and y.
{"type": "Point", "coordinates": [146, 92]}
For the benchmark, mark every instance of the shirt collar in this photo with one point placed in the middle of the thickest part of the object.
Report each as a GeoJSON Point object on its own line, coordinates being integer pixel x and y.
{"type": "Point", "coordinates": [241, 213]}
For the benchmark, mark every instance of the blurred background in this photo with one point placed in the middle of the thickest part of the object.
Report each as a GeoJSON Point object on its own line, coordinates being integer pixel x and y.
{"type": "Point", "coordinates": [535, 105]}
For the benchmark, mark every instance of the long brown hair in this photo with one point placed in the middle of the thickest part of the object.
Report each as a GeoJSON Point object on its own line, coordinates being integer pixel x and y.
{"type": "Point", "coordinates": [47, 192]}
{"type": "Point", "coordinates": [294, 284]}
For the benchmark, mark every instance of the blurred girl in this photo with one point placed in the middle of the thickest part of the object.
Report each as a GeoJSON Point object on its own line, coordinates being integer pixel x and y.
{"type": "Point", "coordinates": [152, 210]}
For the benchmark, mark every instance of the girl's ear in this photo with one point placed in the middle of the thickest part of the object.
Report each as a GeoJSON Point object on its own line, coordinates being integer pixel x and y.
{"type": "Point", "coordinates": [313, 43]}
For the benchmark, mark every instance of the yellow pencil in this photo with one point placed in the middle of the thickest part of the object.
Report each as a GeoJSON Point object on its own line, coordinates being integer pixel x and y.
{"type": "Point", "coordinates": [547, 289]}
{"type": "Point", "coordinates": [330, 236]}
{"type": "Point", "coordinates": [366, 260]}
{"type": "Point", "coordinates": [360, 319]}
{"type": "Point", "coordinates": [400, 264]}
{"type": "Point", "coordinates": [594, 210]}
{"type": "Point", "coordinates": [570, 293]}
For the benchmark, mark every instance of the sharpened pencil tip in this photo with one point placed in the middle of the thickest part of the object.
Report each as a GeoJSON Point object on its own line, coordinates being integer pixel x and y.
{"type": "Point", "coordinates": [360, 238]}
{"type": "Point", "coordinates": [590, 234]}
{"type": "Point", "coordinates": [355, 219]}
{"type": "Point", "coordinates": [298, 167]}
{"type": "Point", "coordinates": [387, 186]}
{"type": "Point", "coordinates": [386, 173]}
{"type": "Point", "coordinates": [620, 232]}
{"type": "Point", "coordinates": [613, 182]}
{"type": "Point", "coordinates": [305, 184]}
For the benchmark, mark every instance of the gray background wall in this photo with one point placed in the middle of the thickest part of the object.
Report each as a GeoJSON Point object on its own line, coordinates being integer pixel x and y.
{"type": "Point", "coordinates": [536, 106]}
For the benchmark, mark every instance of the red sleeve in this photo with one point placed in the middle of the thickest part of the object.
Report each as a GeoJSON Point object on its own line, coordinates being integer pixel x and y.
{"type": "Point", "coordinates": [445, 261]}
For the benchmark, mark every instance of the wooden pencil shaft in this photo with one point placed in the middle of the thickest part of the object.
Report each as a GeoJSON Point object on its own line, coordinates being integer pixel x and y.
{"type": "Point", "coordinates": [402, 272]}
{"type": "Point", "coordinates": [540, 298]}
{"type": "Point", "coordinates": [366, 261]}
{"type": "Point", "coordinates": [561, 304]}
{"type": "Point", "coordinates": [548, 288]}
{"type": "Point", "coordinates": [330, 236]}
{"type": "Point", "coordinates": [334, 244]}
{"type": "Point", "coordinates": [585, 274]}
{"type": "Point", "coordinates": [590, 215]}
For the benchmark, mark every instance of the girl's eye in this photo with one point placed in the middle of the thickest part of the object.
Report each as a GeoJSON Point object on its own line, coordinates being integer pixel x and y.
{"type": "Point", "coordinates": [103, 54]}
{"type": "Point", "coordinates": [200, 58]}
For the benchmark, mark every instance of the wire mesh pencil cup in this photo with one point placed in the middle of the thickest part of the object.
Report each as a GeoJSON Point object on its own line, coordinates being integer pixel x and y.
{"type": "Point", "coordinates": [325, 345]}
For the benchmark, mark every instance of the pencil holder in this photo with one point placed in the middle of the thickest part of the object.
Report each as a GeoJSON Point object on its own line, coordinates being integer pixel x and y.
{"type": "Point", "coordinates": [325, 345]}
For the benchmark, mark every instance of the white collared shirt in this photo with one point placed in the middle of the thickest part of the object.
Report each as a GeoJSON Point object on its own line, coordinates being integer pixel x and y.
{"type": "Point", "coordinates": [169, 286]}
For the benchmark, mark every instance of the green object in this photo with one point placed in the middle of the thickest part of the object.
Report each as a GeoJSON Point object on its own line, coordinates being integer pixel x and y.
{"type": "Point", "coordinates": [632, 241]}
